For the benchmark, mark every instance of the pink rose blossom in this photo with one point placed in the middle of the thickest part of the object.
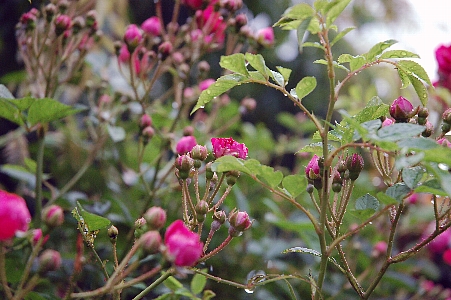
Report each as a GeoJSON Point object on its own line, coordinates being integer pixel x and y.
{"type": "Point", "coordinates": [228, 146]}
{"type": "Point", "coordinates": [152, 26]}
{"type": "Point", "coordinates": [183, 246]}
{"type": "Point", "coordinates": [265, 36]}
{"type": "Point", "coordinates": [14, 215]}
{"type": "Point", "coordinates": [185, 144]}
{"type": "Point", "coordinates": [447, 256]}
{"type": "Point", "coordinates": [132, 36]}
{"type": "Point", "coordinates": [212, 23]}
{"type": "Point", "coordinates": [443, 56]}
{"type": "Point", "coordinates": [203, 85]}
{"type": "Point", "coordinates": [312, 171]}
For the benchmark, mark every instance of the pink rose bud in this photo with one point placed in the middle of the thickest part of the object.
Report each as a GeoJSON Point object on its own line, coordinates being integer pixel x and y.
{"type": "Point", "coordinates": [446, 116]}
{"type": "Point", "coordinates": [14, 215]}
{"type": "Point", "coordinates": [124, 55]}
{"type": "Point", "coordinates": [232, 5]}
{"type": "Point", "coordinates": [152, 26]}
{"type": "Point", "coordinates": [387, 122]}
{"type": "Point", "coordinates": [228, 146]}
{"type": "Point", "coordinates": [62, 23]}
{"type": "Point", "coordinates": [49, 260]}
{"type": "Point", "coordinates": [53, 215]}
{"type": "Point", "coordinates": [240, 220]}
{"type": "Point", "coordinates": [199, 152]}
{"type": "Point", "coordinates": [379, 249]}
{"type": "Point", "coordinates": [185, 144]}
{"type": "Point", "coordinates": [184, 163]}
{"type": "Point", "coordinates": [355, 165]}
{"type": "Point", "coordinates": [150, 242]}
{"type": "Point", "coordinates": [203, 85]}
{"type": "Point", "coordinates": [401, 109]}
{"type": "Point", "coordinates": [50, 11]}
{"type": "Point", "coordinates": [155, 217]}
{"type": "Point", "coordinates": [165, 49]}
{"type": "Point", "coordinates": [240, 20]}
{"type": "Point", "coordinates": [193, 4]}
{"type": "Point", "coordinates": [132, 37]}
{"type": "Point", "coordinates": [148, 132]}
{"type": "Point", "coordinates": [265, 36]}
{"type": "Point", "coordinates": [178, 58]}
{"type": "Point", "coordinates": [28, 20]}
{"type": "Point", "coordinates": [183, 246]}
{"type": "Point", "coordinates": [37, 235]}
{"type": "Point", "coordinates": [145, 121]}
{"type": "Point", "coordinates": [312, 171]}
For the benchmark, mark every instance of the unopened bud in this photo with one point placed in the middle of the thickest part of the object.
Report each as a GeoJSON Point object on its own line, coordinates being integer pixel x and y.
{"type": "Point", "coordinates": [401, 109]}
{"type": "Point", "coordinates": [155, 217]}
{"type": "Point", "coordinates": [428, 130]}
{"type": "Point", "coordinates": [446, 116]}
{"type": "Point", "coordinates": [53, 216]}
{"type": "Point", "coordinates": [239, 220]}
{"type": "Point", "coordinates": [202, 207]}
{"type": "Point", "coordinates": [232, 176]}
{"type": "Point", "coordinates": [50, 11]}
{"type": "Point", "coordinates": [113, 233]}
{"type": "Point", "coordinates": [164, 50]}
{"type": "Point", "coordinates": [199, 152]}
{"type": "Point", "coordinates": [150, 242]}
{"type": "Point", "coordinates": [184, 163]}
{"type": "Point", "coordinates": [62, 23]}
{"type": "Point", "coordinates": [49, 260]}
{"type": "Point", "coordinates": [355, 165]}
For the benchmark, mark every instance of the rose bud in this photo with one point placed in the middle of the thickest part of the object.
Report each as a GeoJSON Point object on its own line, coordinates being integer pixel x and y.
{"type": "Point", "coordinates": [355, 165]}
{"type": "Point", "coordinates": [185, 144]}
{"type": "Point", "coordinates": [113, 233]}
{"type": "Point", "coordinates": [165, 49]}
{"type": "Point", "coordinates": [183, 247]}
{"type": "Point", "coordinates": [155, 217]}
{"type": "Point", "coordinates": [150, 242]}
{"type": "Point", "coordinates": [53, 215]}
{"type": "Point", "coordinates": [312, 171]}
{"type": "Point", "coordinates": [265, 37]}
{"type": "Point", "coordinates": [401, 109]}
{"type": "Point", "coordinates": [62, 23]}
{"type": "Point", "coordinates": [49, 260]}
{"type": "Point", "coordinates": [239, 220]}
{"type": "Point", "coordinates": [152, 26]}
{"type": "Point", "coordinates": [199, 152]}
{"type": "Point", "coordinates": [132, 37]}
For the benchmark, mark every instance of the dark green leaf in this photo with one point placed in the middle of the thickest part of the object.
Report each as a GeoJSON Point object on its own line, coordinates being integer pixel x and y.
{"type": "Point", "coordinates": [378, 49]}
{"type": "Point", "coordinates": [405, 81]}
{"type": "Point", "coordinates": [198, 283]}
{"type": "Point", "coordinates": [235, 63]}
{"type": "Point", "coordinates": [305, 86]}
{"type": "Point", "coordinates": [386, 199]}
{"type": "Point", "coordinates": [443, 176]}
{"type": "Point", "coordinates": [420, 89]}
{"type": "Point", "coordinates": [367, 202]}
{"type": "Point", "coordinates": [399, 131]}
{"type": "Point", "coordinates": [412, 176]}
{"type": "Point", "coordinates": [253, 166]}
{"type": "Point", "coordinates": [335, 10]}
{"type": "Point", "coordinates": [93, 221]}
{"type": "Point", "coordinates": [419, 143]}
{"type": "Point", "coordinates": [222, 85]}
{"type": "Point", "coordinates": [398, 191]}
{"type": "Point", "coordinates": [416, 69]}
{"type": "Point", "coordinates": [46, 110]}
{"type": "Point", "coordinates": [432, 186]}
{"type": "Point", "coordinates": [229, 163]}
{"type": "Point", "coordinates": [294, 184]}
{"type": "Point", "coordinates": [398, 54]}
{"type": "Point", "coordinates": [258, 63]}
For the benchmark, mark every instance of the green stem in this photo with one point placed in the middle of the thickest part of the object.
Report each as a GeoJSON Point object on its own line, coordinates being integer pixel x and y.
{"type": "Point", "coordinates": [39, 172]}
{"type": "Point", "coordinates": [162, 278]}
{"type": "Point", "coordinates": [3, 277]}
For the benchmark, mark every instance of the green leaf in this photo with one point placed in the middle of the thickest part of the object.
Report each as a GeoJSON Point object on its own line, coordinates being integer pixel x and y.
{"type": "Point", "coordinates": [355, 62]}
{"type": "Point", "coordinates": [235, 63]}
{"type": "Point", "coordinates": [285, 73]}
{"type": "Point", "coordinates": [386, 199]}
{"type": "Point", "coordinates": [399, 131]}
{"type": "Point", "coordinates": [116, 133]}
{"type": "Point", "coordinates": [443, 176]}
{"type": "Point", "coordinates": [222, 85]}
{"type": "Point", "coordinates": [278, 78]}
{"type": "Point", "coordinates": [412, 176]}
{"type": "Point", "coordinates": [398, 191]}
{"type": "Point", "coordinates": [336, 10]}
{"type": "Point", "coordinates": [305, 86]}
{"type": "Point", "coordinates": [294, 184]}
{"type": "Point", "coordinates": [419, 143]}
{"type": "Point", "coordinates": [312, 252]}
{"type": "Point", "coordinates": [271, 177]}
{"type": "Point", "coordinates": [46, 110]}
{"type": "Point", "coordinates": [208, 294]}
{"type": "Point", "coordinates": [432, 186]}
{"type": "Point", "coordinates": [314, 45]}
{"type": "Point", "coordinates": [316, 148]}
{"type": "Point", "coordinates": [258, 63]}
{"type": "Point", "coordinates": [299, 12]}
{"type": "Point", "coordinates": [367, 201]}
{"type": "Point", "coordinates": [10, 112]}
{"type": "Point", "coordinates": [173, 284]}
{"type": "Point", "coordinates": [405, 81]}
{"type": "Point", "coordinates": [229, 163]}
{"type": "Point", "coordinates": [378, 49]}
{"type": "Point", "coordinates": [93, 221]}
{"type": "Point", "coordinates": [301, 32]}
{"type": "Point", "coordinates": [198, 283]}
{"type": "Point", "coordinates": [420, 89]}
{"type": "Point", "coordinates": [373, 110]}
{"type": "Point", "coordinates": [341, 35]}
{"type": "Point", "coordinates": [416, 69]}
{"type": "Point", "coordinates": [398, 54]}
{"type": "Point", "coordinates": [408, 161]}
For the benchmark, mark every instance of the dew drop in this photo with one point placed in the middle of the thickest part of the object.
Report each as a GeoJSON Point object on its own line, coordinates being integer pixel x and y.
{"type": "Point", "coordinates": [208, 92]}
{"type": "Point", "coordinates": [443, 166]}
{"type": "Point", "coordinates": [217, 84]}
{"type": "Point", "coordinates": [249, 291]}
{"type": "Point", "coordinates": [371, 223]}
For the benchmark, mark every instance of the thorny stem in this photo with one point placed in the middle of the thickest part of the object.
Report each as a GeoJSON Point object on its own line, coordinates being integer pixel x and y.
{"type": "Point", "coordinates": [39, 173]}
{"type": "Point", "coordinates": [216, 251]}
{"type": "Point", "coordinates": [100, 261]}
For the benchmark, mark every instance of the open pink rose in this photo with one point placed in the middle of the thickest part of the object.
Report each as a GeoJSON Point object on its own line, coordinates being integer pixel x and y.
{"type": "Point", "coordinates": [14, 215]}
{"type": "Point", "coordinates": [228, 146]}
{"type": "Point", "coordinates": [183, 246]}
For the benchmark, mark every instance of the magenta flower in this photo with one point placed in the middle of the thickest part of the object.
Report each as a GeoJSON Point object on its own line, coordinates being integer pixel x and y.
{"type": "Point", "coordinates": [203, 85]}
{"type": "Point", "coordinates": [184, 247]}
{"type": "Point", "coordinates": [194, 4]}
{"type": "Point", "coordinates": [185, 144]}
{"type": "Point", "coordinates": [14, 215]}
{"type": "Point", "coordinates": [132, 37]}
{"type": "Point", "coordinates": [312, 171]}
{"type": "Point", "coordinates": [240, 220]}
{"type": "Point", "coordinates": [228, 146]}
{"type": "Point", "coordinates": [401, 109]}
{"type": "Point", "coordinates": [443, 56]}
{"type": "Point", "coordinates": [265, 36]}
{"type": "Point", "coordinates": [124, 55]}
{"type": "Point", "coordinates": [152, 26]}
{"type": "Point", "coordinates": [444, 142]}
{"type": "Point", "coordinates": [62, 23]}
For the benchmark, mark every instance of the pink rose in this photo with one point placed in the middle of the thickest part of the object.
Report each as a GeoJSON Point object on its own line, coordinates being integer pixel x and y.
{"type": "Point", "coordinates": [228, 146]}
{"type": "Point", "coordinates": [132, 37]}
{"type": "Point", "coordinates": [185, 144]}
{"type": "Point", "coordinates": [184, 247]}
{"type": "Point", "coordinates": [312, 171]}
{"type": "Point", "coordinates": [265, 36]}
{"type": "Point", "coordinates": [443, 56]}
{"type": "Point", "coordinates": [14, 215]}
{"type": "Point", "coordinates": [152, 26]}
